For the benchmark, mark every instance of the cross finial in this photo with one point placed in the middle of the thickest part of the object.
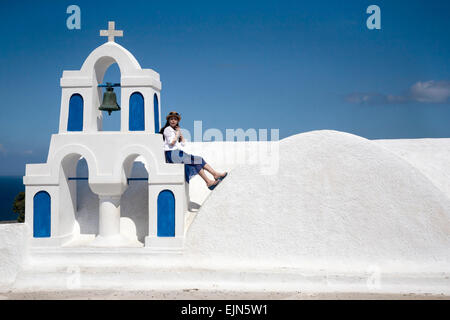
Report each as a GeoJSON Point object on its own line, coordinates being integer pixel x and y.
{"type": "Point", "coordinates": [111, 33]}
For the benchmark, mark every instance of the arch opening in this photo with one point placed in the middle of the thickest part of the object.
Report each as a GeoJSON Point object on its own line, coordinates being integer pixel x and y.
{"type": "Point", "coordinates": [134, 201]}
{"type": "Point", "coordinates": [136, 112]}
{"type": "Point", "coordinates": [75, 120]}
{"type": "Point", "coordinates": [41, 215]}
{"type": "Point", "coordinates": [86, 202]}
{"type": "Point", "coordinates": [69, 181]}
{"type": "Point", "coordinates": [110, 74]}
{"type": "Point", "coordinates": [156, 112]}
{"type": "Point", "coordinates": [166, 214]}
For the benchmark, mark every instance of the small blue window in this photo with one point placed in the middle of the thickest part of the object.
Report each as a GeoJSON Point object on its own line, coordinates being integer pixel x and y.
{"type": "Point", "coordinates": [156, 112]}
{"type": "Point", "coordinates": [42, 215]}
{"type": "Point", "coordinates": [137, 117]}
{"type": "Point", "coordinates": [166, 214]}
{"type": "Point", "coordinates": [75, 122]}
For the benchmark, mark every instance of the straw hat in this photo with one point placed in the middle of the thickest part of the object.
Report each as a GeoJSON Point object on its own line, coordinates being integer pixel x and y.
{"type": "Point", "coordinates": [173, 114]}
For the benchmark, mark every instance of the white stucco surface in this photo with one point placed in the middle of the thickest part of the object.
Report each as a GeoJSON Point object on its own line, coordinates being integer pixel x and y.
{"type": "Point", "coordinates": [13, 250]}
{"type": "Point", "coordinates": [337, 201]}
{"type": "Point", "coordinates": [429, 155]}
{"type": "Point", "coordinates": [322, 211]}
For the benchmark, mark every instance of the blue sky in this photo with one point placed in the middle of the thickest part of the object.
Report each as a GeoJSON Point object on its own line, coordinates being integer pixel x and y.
{"type": "Point", "coordinates": [292, 65]}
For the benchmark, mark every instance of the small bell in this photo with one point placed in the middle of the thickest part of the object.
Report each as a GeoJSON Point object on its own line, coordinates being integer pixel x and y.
{"type": "Point", "coordinates": [109, 101]}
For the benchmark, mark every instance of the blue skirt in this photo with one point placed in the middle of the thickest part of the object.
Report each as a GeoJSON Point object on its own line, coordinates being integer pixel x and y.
{"type": "Point", "coordinates": [192, 164]}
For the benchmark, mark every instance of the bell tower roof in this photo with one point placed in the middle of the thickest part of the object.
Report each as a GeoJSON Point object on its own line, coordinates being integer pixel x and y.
{"type": "Point", "coordinates": [82, 103]}
{"type": "Point", "coordinates": [100, 59]}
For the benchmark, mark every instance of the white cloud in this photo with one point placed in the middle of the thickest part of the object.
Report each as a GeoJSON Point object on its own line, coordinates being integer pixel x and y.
{"type": "Point", "coordinates": [431, 91]}
{"type": "Point", "coordinates": [2, 149]}
{"type": "Point", "coordinates": [366, 98]}
{"type": "Point", "coordinates": [420, 92]}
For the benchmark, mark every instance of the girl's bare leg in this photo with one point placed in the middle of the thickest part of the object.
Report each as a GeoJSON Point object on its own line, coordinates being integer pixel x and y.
{"type": "Point", "coordinates": [208, 181]}
{"type": "Point", "coordinates": [215, 174]}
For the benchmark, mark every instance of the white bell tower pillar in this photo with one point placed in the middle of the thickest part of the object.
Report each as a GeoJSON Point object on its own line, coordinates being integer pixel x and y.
{"type": "Point", "coordinates": [109, 216]}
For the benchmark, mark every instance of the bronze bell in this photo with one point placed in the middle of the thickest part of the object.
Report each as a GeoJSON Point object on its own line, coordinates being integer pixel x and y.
{"type": "Point", "coordinates": [109, 101]}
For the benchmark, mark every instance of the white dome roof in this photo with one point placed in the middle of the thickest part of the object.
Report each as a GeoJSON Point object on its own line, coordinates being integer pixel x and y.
{"type": "Point", "coordinates": [337, 199]}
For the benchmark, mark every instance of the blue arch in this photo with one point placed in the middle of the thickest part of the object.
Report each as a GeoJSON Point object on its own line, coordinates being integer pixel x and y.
{"type": "Point", "coordinates": [42, 214]}
{"type": "Point", "coordinates": [166, 214]}
{"type": "Point", "coordinates": [75, 122]}
{"type": "Point", "coordinates": [156, 112]}
{"type": "Point", "coordinates": [136, 119]}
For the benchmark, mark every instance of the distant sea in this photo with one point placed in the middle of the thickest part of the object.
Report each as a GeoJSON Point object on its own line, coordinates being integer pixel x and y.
{"type": "Point", "coordinates": [10, 186]}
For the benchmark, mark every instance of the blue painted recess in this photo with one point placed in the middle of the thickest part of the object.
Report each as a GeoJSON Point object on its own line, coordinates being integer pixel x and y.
{"type": "Point", "coordinates": [42, 214]}
{"type": "Point", "coordinates": [136, 118]}
{"type": "Point", "coordinates": [156, 112]}
{"type": "Point", "coordinates": [75, 122]}
{"type": "Point", "coordinates": [166, 214]}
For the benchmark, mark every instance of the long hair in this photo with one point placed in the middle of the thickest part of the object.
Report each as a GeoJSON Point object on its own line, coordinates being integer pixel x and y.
{"type": "Point", "coordinates": [168, 125]}
{"type": "Point", "coordinates": [165, 126]}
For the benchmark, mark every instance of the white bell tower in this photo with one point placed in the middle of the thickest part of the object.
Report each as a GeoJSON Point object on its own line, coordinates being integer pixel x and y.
{"type": "Point", "coordinates": [51, 192]}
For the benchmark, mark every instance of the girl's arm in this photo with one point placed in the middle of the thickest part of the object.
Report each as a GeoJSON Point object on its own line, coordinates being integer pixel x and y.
{"type": "Point", "coordinates": [175, 138]}
{"type": "Point", "coordinates": [170, 136]}
{"type": "Point", "coordinates": [183, 141]}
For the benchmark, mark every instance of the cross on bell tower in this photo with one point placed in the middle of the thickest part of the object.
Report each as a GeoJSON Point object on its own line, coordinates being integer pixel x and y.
{"type": "Point", "coordinates": [111, 32]}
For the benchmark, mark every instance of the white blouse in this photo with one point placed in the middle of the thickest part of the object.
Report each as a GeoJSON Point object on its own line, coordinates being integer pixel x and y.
{"type": "Point", "coordinates": [169, 135]}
